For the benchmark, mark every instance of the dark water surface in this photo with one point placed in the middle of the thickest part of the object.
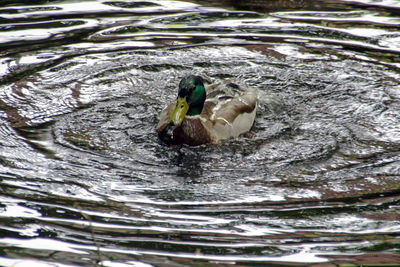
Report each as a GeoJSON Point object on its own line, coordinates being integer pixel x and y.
{"type": "Point", "coordinates": [85, 180]}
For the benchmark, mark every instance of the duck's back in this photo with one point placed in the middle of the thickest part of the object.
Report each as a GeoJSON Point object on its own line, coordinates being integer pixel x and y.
{"type": "Point", "coordinates": [229, 110]}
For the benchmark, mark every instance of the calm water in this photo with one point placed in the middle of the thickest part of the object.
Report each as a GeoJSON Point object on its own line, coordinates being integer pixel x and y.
{"type": "Point", "coordinates": [85, 180]}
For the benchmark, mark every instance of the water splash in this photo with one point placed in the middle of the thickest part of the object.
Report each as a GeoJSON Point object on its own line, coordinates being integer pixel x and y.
{"type": "Point", "coordinates": [83, 172]}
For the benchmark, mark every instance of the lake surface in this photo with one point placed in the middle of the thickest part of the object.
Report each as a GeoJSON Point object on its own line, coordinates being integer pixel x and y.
{"type": "Point", "coordinates": [85, 181]}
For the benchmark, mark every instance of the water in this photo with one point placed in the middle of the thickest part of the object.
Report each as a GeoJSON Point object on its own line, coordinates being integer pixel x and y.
{"type": "Point", "coordinates": [85, 180]}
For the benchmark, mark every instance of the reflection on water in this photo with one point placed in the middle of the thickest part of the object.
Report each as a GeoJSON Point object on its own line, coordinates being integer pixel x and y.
{"type": "Point", "coordinates": [85, 180]}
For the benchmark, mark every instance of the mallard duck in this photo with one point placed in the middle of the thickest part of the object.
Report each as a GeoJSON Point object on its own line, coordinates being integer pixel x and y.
{"type": "Point", "coordinates": [209, 114]}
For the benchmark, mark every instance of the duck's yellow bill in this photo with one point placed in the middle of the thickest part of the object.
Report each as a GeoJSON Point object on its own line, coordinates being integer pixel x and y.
{"type": "Point", "coordinates": [180, 111]}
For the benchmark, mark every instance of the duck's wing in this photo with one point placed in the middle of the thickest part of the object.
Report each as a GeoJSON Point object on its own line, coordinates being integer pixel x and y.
{"type": "Point", "coordinates": [166, 114]}
{"type": "Point", "coordinates": [230, 109]}
{"type": "Point", "coordinates": [163, 130]}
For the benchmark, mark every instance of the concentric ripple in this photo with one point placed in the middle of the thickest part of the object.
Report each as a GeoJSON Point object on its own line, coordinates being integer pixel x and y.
{"type": "Point", "coordinates": [85, 180]}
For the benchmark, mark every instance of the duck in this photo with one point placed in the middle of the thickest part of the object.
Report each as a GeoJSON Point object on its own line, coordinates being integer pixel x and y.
{"type": "Point", "coordinates": [207, 114]}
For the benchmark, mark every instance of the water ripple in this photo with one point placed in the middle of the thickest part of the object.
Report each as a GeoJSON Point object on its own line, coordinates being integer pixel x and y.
{"type": "Point", "coordinates": [85, 180]}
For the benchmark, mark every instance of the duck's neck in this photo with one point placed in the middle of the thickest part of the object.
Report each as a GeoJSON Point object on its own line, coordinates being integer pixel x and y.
{"type": "Point", "coordinates": [195, 110]}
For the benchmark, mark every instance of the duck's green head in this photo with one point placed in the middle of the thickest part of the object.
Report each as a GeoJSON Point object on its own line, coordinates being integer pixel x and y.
{"type": "Point", "coordinates": [190, 100]}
